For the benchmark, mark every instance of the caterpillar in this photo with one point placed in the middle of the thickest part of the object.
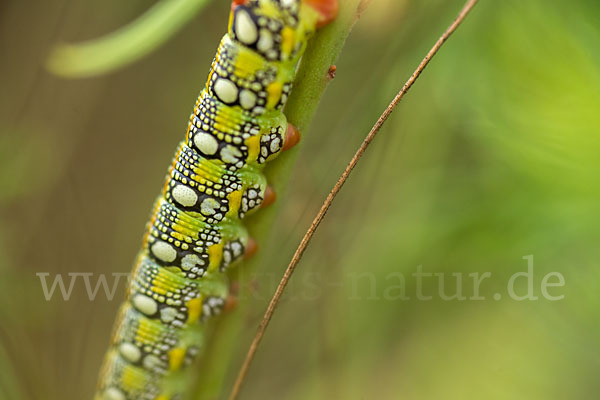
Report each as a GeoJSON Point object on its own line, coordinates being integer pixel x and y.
{"type": "Point", "coordinates": [195, 231]}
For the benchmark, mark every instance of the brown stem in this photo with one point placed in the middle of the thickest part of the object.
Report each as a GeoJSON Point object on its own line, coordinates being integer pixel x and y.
{"type": "Point", "coordinates": [336, 189]}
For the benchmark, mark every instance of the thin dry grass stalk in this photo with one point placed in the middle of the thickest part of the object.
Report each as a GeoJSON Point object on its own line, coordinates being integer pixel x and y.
{"type": "Point", "coordinates": [336, 189]}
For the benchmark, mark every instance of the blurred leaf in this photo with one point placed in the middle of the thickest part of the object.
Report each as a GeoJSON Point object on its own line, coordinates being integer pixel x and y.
{"type": "Point", "coordinates": [125, 45]}
{"type": "Point", "coordinates": [9, 387]}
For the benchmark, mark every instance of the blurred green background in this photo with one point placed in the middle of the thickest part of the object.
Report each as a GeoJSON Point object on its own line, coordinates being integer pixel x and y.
{"type": "Point", "coordinates": [494, 155]}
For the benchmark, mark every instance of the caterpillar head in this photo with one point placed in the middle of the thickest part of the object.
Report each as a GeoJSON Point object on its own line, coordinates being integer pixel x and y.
{"type": "Point", "coordinates": [327, 8]}
{"type": "Point", "coordinates": [278, 29]}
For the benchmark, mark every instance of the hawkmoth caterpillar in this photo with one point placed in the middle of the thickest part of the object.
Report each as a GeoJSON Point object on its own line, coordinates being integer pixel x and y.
{"type": "Point", "coordinates": [195, 231]}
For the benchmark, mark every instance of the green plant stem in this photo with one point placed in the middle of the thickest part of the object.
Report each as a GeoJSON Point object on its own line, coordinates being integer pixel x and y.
{"type": "Point", "coordinates": [311, 82]}
{"type": "Point", "coordinates": [125, 45]}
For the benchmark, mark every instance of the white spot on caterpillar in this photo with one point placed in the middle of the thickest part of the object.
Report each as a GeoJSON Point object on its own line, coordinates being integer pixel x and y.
{"type": "Point", "coordinates": [266, 40]}
{"type": "Point", "coordinates": [164, 251]}
{"type": "Point", "coordinates": [184, 196]}
{"type": "Point", "coordinates": [112, 393]}
{"type": "Point", "coordinates": [130, 352]}
{"type": "Point", "coordinates": [167, 315]}
{"type": "Point", "coordinates": [227, 257]}
{"type": "Point", "coordinates": [150, 362]}
{"type": "Point", "coordinates": [209, 206]}
{"type": "Point", "coordinates": [247, 99]}
{"type": "Point", "coordinates": [214, 301]}
{"type": "Point", "coordinates": [226, 90]}
{"type": "Point", "coordinates": [206, 310]}
{"type": "Point", "coordinates": [145, 304]}
{"type": "Point", "coordinates": [275, 145]}
{"type": "Point", "coordinates": [230, 154]}
{"type": "Point", "coordinates": [245, 29]}
{"type": "Point", "coordinates": [190, 261]}
{"type": "Point", "coordinates": [237, 249]}
{"type": "Point", "coordinates": [272, 54]}
{"type": "Point", "coordinates": [206, 143]}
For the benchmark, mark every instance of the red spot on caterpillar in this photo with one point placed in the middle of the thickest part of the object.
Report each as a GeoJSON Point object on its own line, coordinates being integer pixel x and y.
{"type": "Point", "coordinates": [270, 197]}
{"type": "Point", "coordinates": [234, 288]}
{"type": "Point", "coordinates": [251, 248]}
{"type": "Point", "coordinates": [232, 298]}
{"type": "Point", "coordinates": [230, 303]}
{"type": "Point", "coordinates": [331, 72]}
{"type": "Point", "coordinates": [327, 8]}
{"type": "Point", "coordinates": [292, 137]}
{"type": "Point", "coordinates": [236, 3]}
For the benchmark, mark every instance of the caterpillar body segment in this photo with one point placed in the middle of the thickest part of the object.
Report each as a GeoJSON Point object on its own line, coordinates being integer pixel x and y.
{"type": "Point", "coordinates": [215, 180]}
